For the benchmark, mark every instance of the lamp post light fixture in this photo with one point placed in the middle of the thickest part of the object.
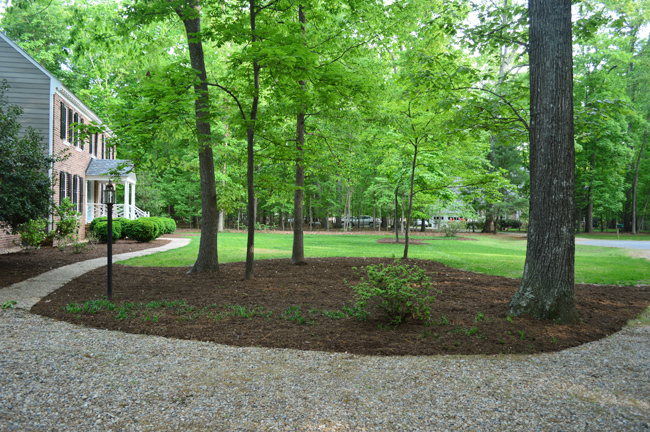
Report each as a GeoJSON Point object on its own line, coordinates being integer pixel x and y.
{"type": "Point", "coordinates": [108, 198]}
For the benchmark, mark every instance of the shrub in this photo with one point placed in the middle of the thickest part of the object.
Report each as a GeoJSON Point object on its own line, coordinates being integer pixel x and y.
{"type": "Point", "coordinates": [101, 231]}
{"type": "Point", "coordinates": [452, 227]}
{"type": "Point", "coordinates": [68, 222]}
{"type": "Point", "coordinates": [170, 225]}
{"type": "Point", "coordinates": [143, 230]}
{"type": "Point", "coordinates": [32, 234]}
{"type": "Point", "coordinates": [96, 221]}
{"type": "Point", "coordinates": [126, 227]}
{"type": "Point", "coordinates": [399, 291]}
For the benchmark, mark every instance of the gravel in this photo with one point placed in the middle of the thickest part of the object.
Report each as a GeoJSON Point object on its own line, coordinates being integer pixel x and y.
{"type": "Point", "coordinates": [55, 376]}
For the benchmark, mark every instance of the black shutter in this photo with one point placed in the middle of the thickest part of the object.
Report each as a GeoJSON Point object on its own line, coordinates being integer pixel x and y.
{"type": "Point", "coordinates": [62, 177]}
{"type": "Point", "coordinates": [62, 125]}
{"type": "Point", "coordinates": [96, 143]}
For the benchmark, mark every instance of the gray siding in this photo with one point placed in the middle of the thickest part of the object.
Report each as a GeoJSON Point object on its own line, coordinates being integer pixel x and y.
{"type": "Point", "coordinates": [30, 89]}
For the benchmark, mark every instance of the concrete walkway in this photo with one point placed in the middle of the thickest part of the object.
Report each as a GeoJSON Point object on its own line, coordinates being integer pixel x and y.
{"type": "Point", "coordinates": [29, 292]}
{"type": "Point", "coordinates": [625, 244]}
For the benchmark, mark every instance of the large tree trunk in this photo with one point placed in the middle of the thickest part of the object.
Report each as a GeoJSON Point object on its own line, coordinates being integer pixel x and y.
{"type": "Point", "coordinates": [298, 252]}
{"type": "Point", "coordinates": [250, 171]}
{"type": "Point", "coordinates": [208, 259]}
{"type": "Point", "coordinates": [547, 286]}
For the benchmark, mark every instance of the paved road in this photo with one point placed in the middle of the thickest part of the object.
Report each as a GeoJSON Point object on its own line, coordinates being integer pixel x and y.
{"type": "Point", "coordinates": [626, 244]}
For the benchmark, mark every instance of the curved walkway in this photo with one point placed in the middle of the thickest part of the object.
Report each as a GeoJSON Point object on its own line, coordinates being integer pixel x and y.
{"type": "Point", "coordinates": [55, 376]}
{"type": "Point", "coordinates": [625, 244]}
{"type": "Point", "coordinates": [29, 292]}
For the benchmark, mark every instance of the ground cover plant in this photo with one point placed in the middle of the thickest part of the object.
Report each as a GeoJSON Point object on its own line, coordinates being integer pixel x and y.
{"type": "Point", "coordinates": [310, 307]}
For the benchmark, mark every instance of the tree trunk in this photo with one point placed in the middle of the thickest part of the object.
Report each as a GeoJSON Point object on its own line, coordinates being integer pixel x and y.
{"type": "Point", "coordinates": [250, 171]}
{"type": "Point", "coordinates": [298, 251]}
{"type": "Point", "coordinates": [489, 221]}
{"type": "Point", "coordinates": [547, 286]}
{"type": "Point", "coordinates": [207, 259]}
{"type": "Point", "coordinates": [589, 216]}
{"type": "Point", "coordinates": [395, 224]}
{"type": "Point", "coordinates": [410, 207]}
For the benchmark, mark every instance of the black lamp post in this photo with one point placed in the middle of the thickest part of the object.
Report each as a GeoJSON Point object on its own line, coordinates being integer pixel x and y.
{"type": "Point", "coordinates": [108, 198]}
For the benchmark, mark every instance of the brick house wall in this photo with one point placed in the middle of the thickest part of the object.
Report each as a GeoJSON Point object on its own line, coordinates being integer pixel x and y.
{"type": "Point", "coordinates": [69, 174]}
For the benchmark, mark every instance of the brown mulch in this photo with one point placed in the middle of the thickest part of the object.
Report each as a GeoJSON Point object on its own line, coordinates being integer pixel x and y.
{"type": "Point", "coordinates": [19, 266]}
{"type": "Point", "coordinates": [290, 302]}
{"type": "Point", "coordinates": [421, 242]}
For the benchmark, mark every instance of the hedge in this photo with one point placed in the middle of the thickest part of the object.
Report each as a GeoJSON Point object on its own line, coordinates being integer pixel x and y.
{"type": "Point", "coordinates": [101, 230]}
{"type": "Point", "coordinates": [143, 230]}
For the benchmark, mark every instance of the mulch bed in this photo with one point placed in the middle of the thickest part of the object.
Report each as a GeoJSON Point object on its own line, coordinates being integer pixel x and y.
{"type": "Point", "coordinates": [19, 266]}
{"type": "Point", "coordinates": [291, 304]}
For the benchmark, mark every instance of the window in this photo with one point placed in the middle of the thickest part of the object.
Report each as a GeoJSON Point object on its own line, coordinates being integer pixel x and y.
{"type": "Point", "coordinates": [69, 185]}
{"type": "Point", "coordinates": [92, 143]}
{"type": "Point", "coordinates": [70, 114]}
{"type": "Point", "coordinates": [75, 194]}
{"type": "Point", "coordinates": [80, 205]}
{"type": "Point", "coordinates": [96, 144]}
{"type": "Point", "coordinates": [75, 119]}
{"type": "Point", "coordinates": [62, 188]}
{"type": "Point", "coordinates": [63, 125]}
{"type": "Point", "coordinates": [103, 148]}
{"type": "Point", "coordinates": [83, 141]}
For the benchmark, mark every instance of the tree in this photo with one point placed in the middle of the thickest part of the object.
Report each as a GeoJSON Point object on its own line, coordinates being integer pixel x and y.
{"type": "Point", "coordinates": [25, 186]}
{"type": "Point", "coordinates": [547, 286]}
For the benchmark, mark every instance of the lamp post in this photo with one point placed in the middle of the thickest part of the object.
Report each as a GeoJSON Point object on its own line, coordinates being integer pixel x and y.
{"type": "Point", "coordinates": [108, 198]}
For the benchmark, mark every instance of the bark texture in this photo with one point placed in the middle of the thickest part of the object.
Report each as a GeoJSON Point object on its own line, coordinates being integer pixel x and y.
{"type": "Point", "coordinates": [298, 250]}
{"type": "Point", "coordinates": [547, 286]}
{"type": "Point", "coordinates": [250, 169]}
{"type": "Point", "coordinates": [207, 259]}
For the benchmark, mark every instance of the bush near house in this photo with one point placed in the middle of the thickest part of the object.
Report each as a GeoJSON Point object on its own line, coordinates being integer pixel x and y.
{"type": "Point", "coordinates": [143, 230]}
{"type": "Point", "coordinates": [100, 230]}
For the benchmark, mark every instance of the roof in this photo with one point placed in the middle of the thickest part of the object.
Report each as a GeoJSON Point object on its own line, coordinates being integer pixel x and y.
{"type": "Point", "coordinates": [61, 89]}
{"type": "Point", "coordinates": [103, 167]}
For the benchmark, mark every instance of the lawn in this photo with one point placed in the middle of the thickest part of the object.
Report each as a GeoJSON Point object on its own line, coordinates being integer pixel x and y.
{"type": "Point", "coordinates": [499, 255]}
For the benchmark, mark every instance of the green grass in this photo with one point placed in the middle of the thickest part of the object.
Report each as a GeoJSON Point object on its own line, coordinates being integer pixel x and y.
{"type": "Point", "coordinates": [612, 236]}
{"type": "Point", "coordinates": [490, 255]}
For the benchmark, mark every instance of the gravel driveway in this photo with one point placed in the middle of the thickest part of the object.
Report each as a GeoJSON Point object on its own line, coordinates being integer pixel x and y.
{"type": "Point", "coordinates": [56, 376]}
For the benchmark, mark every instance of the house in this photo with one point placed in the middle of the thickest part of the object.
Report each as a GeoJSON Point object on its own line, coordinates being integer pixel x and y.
{"type": "Point", "coordinates": [53, 110]}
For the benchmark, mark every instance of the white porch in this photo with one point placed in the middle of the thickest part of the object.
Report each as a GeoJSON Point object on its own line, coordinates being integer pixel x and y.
{"type": "Point", "coordinates": [97, 176]}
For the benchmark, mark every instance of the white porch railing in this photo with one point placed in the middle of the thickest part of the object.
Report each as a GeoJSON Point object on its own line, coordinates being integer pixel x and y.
{"type": "Point", "coordinates": [119, 210]}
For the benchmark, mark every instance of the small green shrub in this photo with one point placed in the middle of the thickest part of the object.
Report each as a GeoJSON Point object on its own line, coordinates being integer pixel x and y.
{"type": "Point", "coordinates": [452, 227]}
{"type": "Point", "coordinates": [95, 221]}
{"type": "Point", "coordinates": [143, 230]}
{"type": "Point", "coordinates": [126, 227]}
{"type": "Point", "coordinates": [170, 225]}
{"type": "Point", "coordinates": [32, 234]}
{"type": "Point", "coordinates": [67, 222]}
{"type": "Point", "coordinates": [101, 231]}
{"type": "Point", "coordinates": [399, 291]}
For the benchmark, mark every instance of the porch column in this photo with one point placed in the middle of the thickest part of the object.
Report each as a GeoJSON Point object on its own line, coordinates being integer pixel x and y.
{"type": "Point", "coordinates": [133, 201]}
{"type": "Point", "coordinates": [127, 208]}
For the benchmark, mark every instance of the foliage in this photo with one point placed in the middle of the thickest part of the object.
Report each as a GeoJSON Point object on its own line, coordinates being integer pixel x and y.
{"type": "Point", "coordinates": [143, 230]}
{"type": "Point", "coordinates": [399, 291]}
{"type": "Point", "coordinates": [25, 188]}
{"type": "Point", "coordinates": [67, 221]}
{"type": "Point", "coordinates": [32, 234]}
{"type": "Point", "coordinates": [453, 227]}
{"type": "Point", "coordinates": [100, 231]}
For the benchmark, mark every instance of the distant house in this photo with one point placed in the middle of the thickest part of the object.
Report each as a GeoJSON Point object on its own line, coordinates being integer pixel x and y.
{"type": "Point", "coordinates": [50, 108]}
